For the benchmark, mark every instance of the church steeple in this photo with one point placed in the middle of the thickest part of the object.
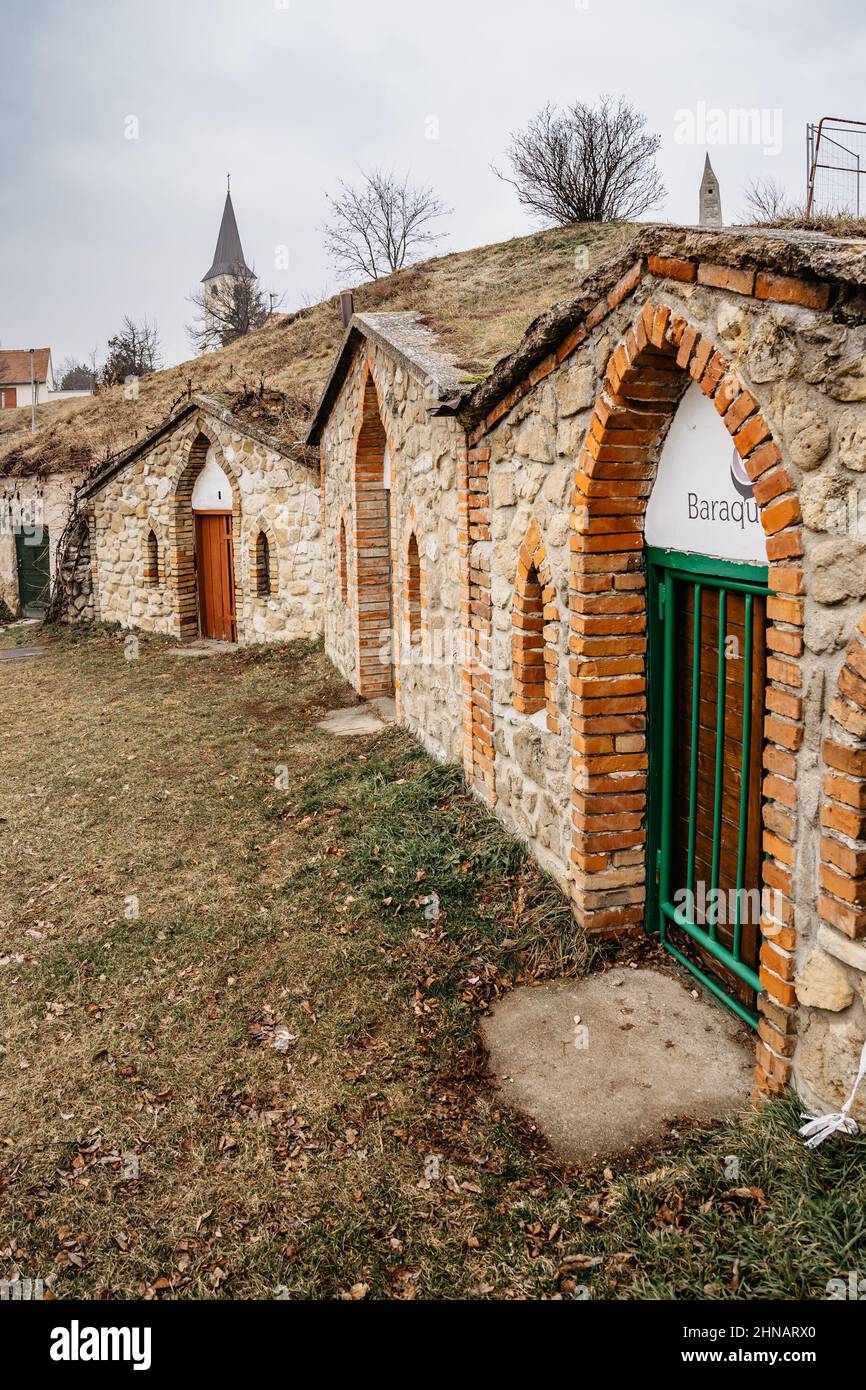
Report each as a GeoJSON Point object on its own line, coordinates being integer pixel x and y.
{"type": "Point", "coordinates": [228, 257]}
{"type": "Point", "coordinates": [709, 199]}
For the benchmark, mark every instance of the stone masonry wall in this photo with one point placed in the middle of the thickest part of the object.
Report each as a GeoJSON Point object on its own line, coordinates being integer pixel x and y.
{"type": "Point", "coordinates": [423, 503]}
{"type": "Point", "coordinates": [788, 378]}
{"type": "Point", "coordinates": [551, 492]}
{"type": "Point", "coordinates": [271, 493]}
{"type": "Point", "coordinates": [531, 464]}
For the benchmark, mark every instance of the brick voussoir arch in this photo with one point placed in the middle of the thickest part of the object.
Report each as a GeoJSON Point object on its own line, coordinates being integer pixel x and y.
{"type": "Point", "coordinates": [374, 538]}
{"type": "Point", "coordinates": [643, 384]}
{"type": "Point", "coordinates": [192, 455]}
{"type": "Point", "coordinates": [341, 532]}
{"type": "Point", "coordinates": [413, 617]}
{"type": "Point", "coordinates": [842, 874]}
{"type": "Point", "coordinates": [261, 526]}
{"type": "Point", "coordinates": [155, 525]}
{"type": "Point", "coordinates": [529, 640]}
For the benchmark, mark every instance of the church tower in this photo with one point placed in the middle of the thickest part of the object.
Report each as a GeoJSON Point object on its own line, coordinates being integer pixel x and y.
{"type": "Point", "coordinates": [709, 200]}
{"type": "Point", "coordinates": [228, 258]}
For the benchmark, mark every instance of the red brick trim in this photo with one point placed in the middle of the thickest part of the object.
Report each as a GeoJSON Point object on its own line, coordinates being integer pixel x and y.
{"type": "Point", "coordinates": [264, 570]}
{"type": "Point", "coordinates": [842, 873]}
{"type": "Point", "coordinates": [182, 538]}
{"type": "Point", "coordinates": [643, 384]}
{"type": "Point", "coordinates": [535, 631]}
{"type": "Point", "coordinates": [374, 637]}
{"type": "Point", "coordinates": [414, 625]}
{"type": "Point", "coordinates": [151, 560]}
{"type": "Point", "coordinates": [342, 557]}
{"type": "Point", "coordinates": [473, 527]}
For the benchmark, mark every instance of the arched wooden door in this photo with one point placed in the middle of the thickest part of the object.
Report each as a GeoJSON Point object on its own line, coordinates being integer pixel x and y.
{"type": "Point", "coordinates": [215, 571]}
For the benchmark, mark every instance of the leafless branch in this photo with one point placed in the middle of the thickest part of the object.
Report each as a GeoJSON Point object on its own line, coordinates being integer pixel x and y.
{"type": "Point", "coordinates": [228, 309]}
{"type": "Point", "coordinates": [133, 351]}
{"type": "Point", "coordinates": [586, 164]}
{"type": "Point", "coordinates": [767, 201]}
{"type": "Point", "coordinates": [381, 225]}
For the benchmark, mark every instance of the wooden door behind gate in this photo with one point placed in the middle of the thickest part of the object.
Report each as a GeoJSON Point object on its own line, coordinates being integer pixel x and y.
{"type": "Point", "coordinates": [716, 857]}
{"type": "Point", "coordinates": [214, 562]}
{"type": "Point", "coordinates": [707, 664]}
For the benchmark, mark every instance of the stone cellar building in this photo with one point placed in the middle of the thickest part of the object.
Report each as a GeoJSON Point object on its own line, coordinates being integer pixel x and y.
{"type": "Point", "coordinates": [34, 510]}
{"type": "Point", "coordinates": [208, 528]}
{"type": "Point", "coordinates": [623, 580]}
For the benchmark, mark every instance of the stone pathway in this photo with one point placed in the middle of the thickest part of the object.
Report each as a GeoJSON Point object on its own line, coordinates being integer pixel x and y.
{"type": "Point", "coordinates": [355, 720]}
{"type": "Point", "coordinates": [22, 653]}
{"type": "Point", "coordinates": [647, 1054]}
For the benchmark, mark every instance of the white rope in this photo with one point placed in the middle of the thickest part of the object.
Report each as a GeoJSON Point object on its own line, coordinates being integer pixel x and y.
{"type": "Point", "coordinates": [819, 1127]}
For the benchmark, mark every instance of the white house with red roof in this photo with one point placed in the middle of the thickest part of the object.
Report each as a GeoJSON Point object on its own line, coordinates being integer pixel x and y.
{"type": "Point", "coordinates": [26, 374]}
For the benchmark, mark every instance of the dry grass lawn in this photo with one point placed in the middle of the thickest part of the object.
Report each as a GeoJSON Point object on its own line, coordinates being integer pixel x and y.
{"type": "Point", "coordinates": [238, 1092]}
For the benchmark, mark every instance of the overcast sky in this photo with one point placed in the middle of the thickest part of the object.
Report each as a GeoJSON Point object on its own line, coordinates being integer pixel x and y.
{"type": "Point", "coordinates": [292, 95]}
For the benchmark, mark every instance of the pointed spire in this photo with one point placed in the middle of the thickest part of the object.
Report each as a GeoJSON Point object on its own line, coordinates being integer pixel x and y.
{"type": "Point", "coordinates": [709, 198]}
{"type": "Point", "coordinates": [228, 256]}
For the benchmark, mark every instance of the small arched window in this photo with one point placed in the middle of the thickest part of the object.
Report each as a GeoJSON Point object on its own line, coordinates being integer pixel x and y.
{"type": "Point", "coordinates": [262, 565]}
{"type": "Point", "coordinates": [528, 644]}
{"type": "Point", "coordinates": [535, 632]}
{"type": "Point", "coordinates": [151, 561]}
{"type": "Point", "coordinates": [413, 591]}
{"type": "Point", "coordinates": [342, 567]}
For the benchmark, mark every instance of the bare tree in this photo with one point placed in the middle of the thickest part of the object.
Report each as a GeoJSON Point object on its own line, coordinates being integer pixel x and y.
{"type": "Point", "coordinates": [586, 163]}
{"type": "Point", "coordinates": [132, 352]}
{"type": "Point", "coordinates": [229, 308]}
{"type": "Point", "coordinates": [380, 225]}
{"type": "Point", "coordinates": [308, 298]}
{"type": "Point", "coordinates": [767, 201]}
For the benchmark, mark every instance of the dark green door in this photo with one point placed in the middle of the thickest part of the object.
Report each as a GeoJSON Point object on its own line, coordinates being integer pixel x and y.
{"type": "Point", "coordinates": [34, 571]}
{"type": "Point", "coordinates": [707, 669]}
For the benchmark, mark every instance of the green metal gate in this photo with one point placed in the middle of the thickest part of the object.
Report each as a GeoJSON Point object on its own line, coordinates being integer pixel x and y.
{"type": "Point", "coordinates": [707, 622]}
{"type": "Point", "coordinates": [34, 570]}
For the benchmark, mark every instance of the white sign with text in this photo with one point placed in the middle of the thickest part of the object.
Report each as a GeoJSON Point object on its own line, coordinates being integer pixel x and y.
{"type": "Point", "coordinates": [702, 499]}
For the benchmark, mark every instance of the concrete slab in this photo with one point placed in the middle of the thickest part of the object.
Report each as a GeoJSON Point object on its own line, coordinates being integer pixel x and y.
{"type": "Point", "coordinates": [352, 722]}
{"type": "Point", "coordinates": [22, 653]}
{"type": "Point", "coordinates": [651, 1055]}
{"type": "Point", "coordinates": [206, 647]}
{"type": "Point", "coordinates": [387, 707]}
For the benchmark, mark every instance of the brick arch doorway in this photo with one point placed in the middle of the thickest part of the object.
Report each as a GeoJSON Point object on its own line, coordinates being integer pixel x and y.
{"type": "Point", "coordinates": [373, 565]}
{"type": "Point", "coordinates": [205, 521]}
{"type": "Point", "coordinates": [613, 796]}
